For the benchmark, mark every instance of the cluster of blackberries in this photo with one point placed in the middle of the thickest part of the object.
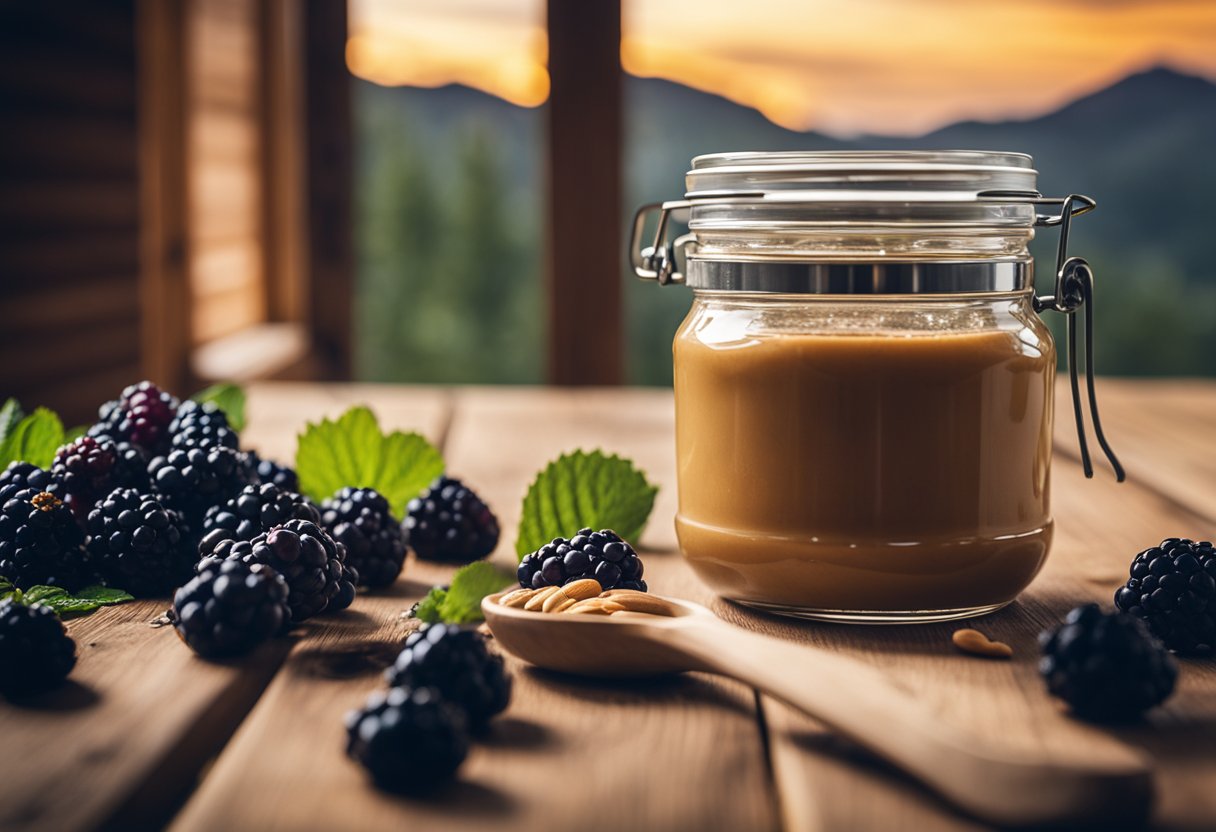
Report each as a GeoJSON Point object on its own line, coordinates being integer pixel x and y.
{"type": "Point", "coordinates": [444, 685]}
{"type": "Point", "coordinates": [601, 555]}
{"type": "Point", "coordinates": [1172, 587]}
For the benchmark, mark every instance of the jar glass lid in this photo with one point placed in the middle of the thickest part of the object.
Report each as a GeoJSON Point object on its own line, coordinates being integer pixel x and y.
{"type": "Point", "coordinates": [862, 176]}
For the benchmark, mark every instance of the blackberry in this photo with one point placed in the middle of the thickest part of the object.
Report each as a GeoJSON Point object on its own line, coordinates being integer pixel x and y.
{"type": "Point", "coordinates": [601, 555]}
{"type": "Point", "coordinates": [1173, 588]}
{"type": "Point", "coordinates": [191, 481]}
{"type": "Point", "coordinates": [409, 739]}
{"type": "Point", "coordinates": [89, 468]}
{"type": "Point", "coordinates": [230, 607]}
{"type": "Point", "coordinates": [19, 476]}
{"type": "Point", "coordinates": [454, 660]}
{"type": "Point", "coordinates": [197, 425]}
{"type": "Point", "coordinates": [35, 650]}
{"type": "Point", "coordinates": [448, 522]}
{"type": "Point", "coordinates": [141, 416]}
{"type": "Point", "coordinates": [1107, 666]}
{"type": "Point", "coordinates": [311, 562]}
{"type": "Point", "coordinates": [360, 519]}
{"type": "Point", "coordinates": [40, 542]}
{"type": "Point", "coordinates": [256, 509]}
{"type": "Point", "coordinates": [267, 470]}
{"type": "Point", "coordinates": [139, 545]}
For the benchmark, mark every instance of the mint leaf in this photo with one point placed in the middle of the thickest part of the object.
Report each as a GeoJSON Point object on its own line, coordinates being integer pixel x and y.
{"type": "Point", "coordinates": [34, 439]}
{"type": "Point", "coordinates": [580, 490]}
{"type": "Point", "coordinates": [65, 603]}
{"type": "Point", "coordinates": [353, 451]}
{"type": "Point", "coordinates": [7, 590]}
{"type": "Point", "coordinates": [229, 398]}
{"type": "Point", "coordinates": [462, 602]}
{"type": "Point", "coordinates": [428, 608]}
{"type": "Point", "coordinates": [10, 414]}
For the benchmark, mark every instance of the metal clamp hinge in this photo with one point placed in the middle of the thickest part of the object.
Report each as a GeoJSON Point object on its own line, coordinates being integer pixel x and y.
{"type": "Point", "coordinates": [657, 261]}
{"type": "Point", "coordinates": [1074, 289]}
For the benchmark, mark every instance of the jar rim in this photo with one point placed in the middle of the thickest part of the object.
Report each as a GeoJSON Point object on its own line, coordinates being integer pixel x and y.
{"type": "Point", "coordinates": [864, 175]}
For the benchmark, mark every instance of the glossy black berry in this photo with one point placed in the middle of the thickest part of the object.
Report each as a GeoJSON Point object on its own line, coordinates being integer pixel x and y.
{"type": "Point", "coordinates": [19, 476]}
{"type": "Point", "coordinates": [256, 509]}
{"type": "Point", "coordinates": [230, 607]}
{"type": "Point", "coordinates": [137, 544]}
{"type": "Point", "coordinates": [275, 473]}
{"type": "Point", "coordinates": [196, 425]}
{"type": "Point", "coordinates": [192, 481]}
{"type": "Point", "coordinates": [36, 653]}
{"type": "Point", "coordinates": [409, 739]}
{"type": "Point", "coordinates": [601, 555]}
{"type": "Point", "coordinates": [1173, 588]}
{"type": "Point", "coordinates": [141, 416]}
{"type": "Point", "coordinates": [89, 468]}
{"type": "Point", "coordinates": [449, 522]}
{"type": "Point", "coordinates": [311, 562]}
{"type": "Point", "coordinates": [454, 660]}
{"type": "Point", "coordinates": [41, 542]}
{"type": "Point", "coordinates": [361, 520]}
{"type": "Point", "coordinates": [1107, 666]}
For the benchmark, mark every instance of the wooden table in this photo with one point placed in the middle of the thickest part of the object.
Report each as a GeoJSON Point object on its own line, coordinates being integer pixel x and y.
{"type": "Point", "coordinates": [146, 734]}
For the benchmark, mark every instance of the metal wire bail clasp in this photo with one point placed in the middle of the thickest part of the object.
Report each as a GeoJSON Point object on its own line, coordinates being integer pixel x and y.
{"type": "Point", "coordinates": [1074, 290]}
{"type": "Point", "coordinates": [657, 261]}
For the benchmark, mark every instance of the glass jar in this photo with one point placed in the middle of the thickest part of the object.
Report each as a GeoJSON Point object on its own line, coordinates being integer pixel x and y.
{"type": "Point", "coordinates": [863, 384]}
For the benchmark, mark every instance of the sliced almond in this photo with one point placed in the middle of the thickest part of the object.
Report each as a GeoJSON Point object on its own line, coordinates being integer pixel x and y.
{"type": "Point", "coordinates": [595, 606]}
{"type": "Point", "coordinates": [517, 598]}
{"type": "Point", "coordinates": [556, 600]}
{"type": "Point", "coordinates": [581, 590]}
{"type": "Point", "coordinates": [564, 605]}
{"type": "Point", "coordinates": [537, 601]}
{"type": "Point", "coordinates": [976, 643]}
{"type": "Point", "coordinates": [635, 601]}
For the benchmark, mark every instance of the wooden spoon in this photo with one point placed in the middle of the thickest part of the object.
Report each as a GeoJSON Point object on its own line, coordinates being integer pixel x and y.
{"type": "Point", "coordinates": [995, 783]}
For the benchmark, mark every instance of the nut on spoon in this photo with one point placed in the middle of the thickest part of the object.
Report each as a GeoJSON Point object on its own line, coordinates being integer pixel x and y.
{"type": "Point", "coordinates": [982, 777]}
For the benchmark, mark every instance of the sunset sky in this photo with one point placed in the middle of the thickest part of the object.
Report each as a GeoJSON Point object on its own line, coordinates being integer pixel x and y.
{"type": "Point", "coordinates": [839, 66]}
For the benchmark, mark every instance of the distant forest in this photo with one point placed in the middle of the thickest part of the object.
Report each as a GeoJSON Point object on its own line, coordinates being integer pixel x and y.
{"type": "Point", "coordinates": [449, 220]}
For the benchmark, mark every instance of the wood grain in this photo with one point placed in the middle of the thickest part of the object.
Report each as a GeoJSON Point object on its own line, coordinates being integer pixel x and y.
{"type": "Point", "coordinates": [568, 754]}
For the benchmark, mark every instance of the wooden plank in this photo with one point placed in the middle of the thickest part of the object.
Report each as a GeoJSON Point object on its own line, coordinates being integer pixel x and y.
{"type": "Point", "coordinates": [141, 716]}
{"type": "Point", "coordinates": [1163, 430]}
{"type": "Point", "coordinates": [164, 214]}
{"type": "Point", "coordinates": [583, 232]}
{"type": "Point", "coordinates": [670, 746]}
{"type": "Point", "coordinates": [325, 96]}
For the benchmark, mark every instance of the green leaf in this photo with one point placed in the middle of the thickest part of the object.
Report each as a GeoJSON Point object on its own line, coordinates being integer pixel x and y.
{"type": "Point", "coordinates": [428, 608]}
{"type": "Point", "coordinates": [72, 434]}
{"type": "Point", "coordinates": [229, 398]}
{"type": "Point", "coordinates": [34, 439]}
{"type": "Point", "coordinates": [462, 602]}
{"type": "Point", "coordinates": [10, 414]}
{"type": "Point", "coordinates": [584, 489]}
{"type": "Point", "coordinates": [352, 451]}
{"type": "Point", "coordinates": [7, 590]}
{"type": "Point", "coordinates": [65, 603]}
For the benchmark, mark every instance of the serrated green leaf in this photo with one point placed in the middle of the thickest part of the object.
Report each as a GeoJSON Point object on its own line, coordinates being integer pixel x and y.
{"type": "Point", "coordinates": [34, 440]}
{"type": "Point", "coordinates": [428, 608]}
{"type": "Point", "coordinates": [352, 451]}
{"type": "Point", "coordinates": [584, 489]}
{"type": "Point", "coordinates": [10, 414]}
{"type": "Point", "coordinates": [462, 602]}
{"type": "Point", "coordinates": [65, 603]}
{"type": "Point", "coordinates": [229, 398]}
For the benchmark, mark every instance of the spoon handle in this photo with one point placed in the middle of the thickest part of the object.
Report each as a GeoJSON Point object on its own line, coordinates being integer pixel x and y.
{"type": "Point", "coordinates": [983, 777]}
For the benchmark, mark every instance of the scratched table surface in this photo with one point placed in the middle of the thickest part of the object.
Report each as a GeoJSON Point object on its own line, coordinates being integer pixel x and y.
{"type": "Point", "coordinates": [146, 735]}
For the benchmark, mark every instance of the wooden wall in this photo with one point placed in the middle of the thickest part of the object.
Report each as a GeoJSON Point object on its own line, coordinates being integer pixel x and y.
{"type": "Point", "coordinates": [69, 203]}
